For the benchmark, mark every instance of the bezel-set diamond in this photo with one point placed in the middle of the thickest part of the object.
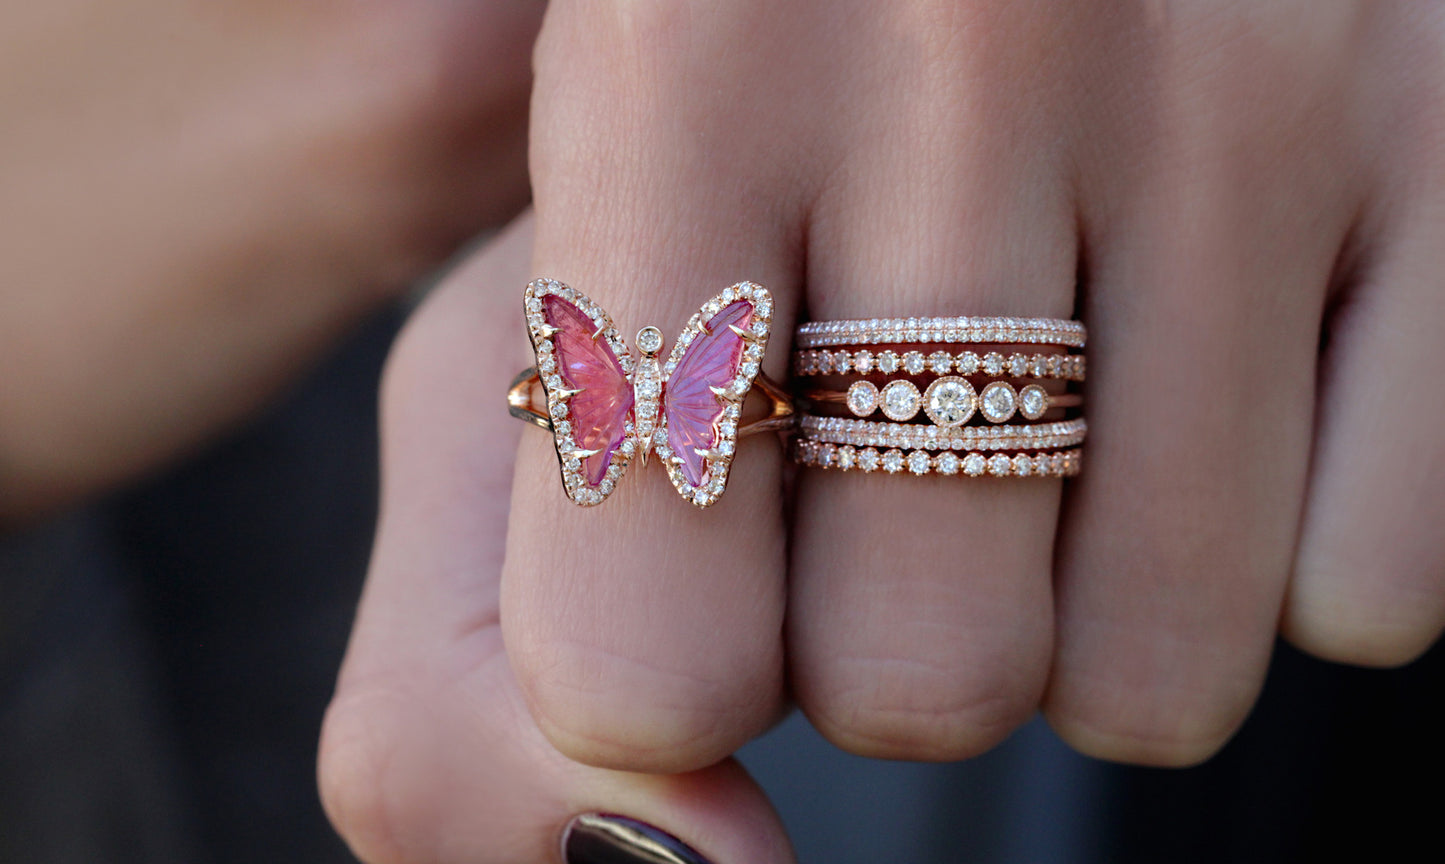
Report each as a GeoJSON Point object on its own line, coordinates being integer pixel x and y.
{"type": "Point", "coordinates": [998, 402]}
{"type": "Point", "coordinates": [949, 401]}
{"type": "Point", "coordinates": [862, 398]}
{"type": "Point", "coordinates": [900, 400]}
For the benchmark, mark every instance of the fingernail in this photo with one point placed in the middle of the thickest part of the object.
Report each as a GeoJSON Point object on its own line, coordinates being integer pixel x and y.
{"type": "Point", "coordinates": [596, 838]}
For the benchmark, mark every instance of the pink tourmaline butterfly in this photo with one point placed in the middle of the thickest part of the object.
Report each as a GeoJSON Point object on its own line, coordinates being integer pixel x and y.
{"type": "Point", "coordinates": [608, 407]}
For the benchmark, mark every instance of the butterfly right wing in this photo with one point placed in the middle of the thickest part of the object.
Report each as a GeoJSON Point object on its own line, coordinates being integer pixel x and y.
{"type": "Point", "coordinates": [586, 371]}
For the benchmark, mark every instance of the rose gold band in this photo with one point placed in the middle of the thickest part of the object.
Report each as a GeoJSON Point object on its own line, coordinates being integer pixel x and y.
{"type": "Point", "coordinates": [779, 414]}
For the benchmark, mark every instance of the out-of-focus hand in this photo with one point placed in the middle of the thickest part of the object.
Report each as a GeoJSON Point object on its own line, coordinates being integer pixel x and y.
{"type": "Point", "coordinates": [196, 197]}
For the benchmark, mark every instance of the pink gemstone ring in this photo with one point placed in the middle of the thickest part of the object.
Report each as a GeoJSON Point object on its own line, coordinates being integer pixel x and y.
{"type": "Point", "coordinates": [605, 407]}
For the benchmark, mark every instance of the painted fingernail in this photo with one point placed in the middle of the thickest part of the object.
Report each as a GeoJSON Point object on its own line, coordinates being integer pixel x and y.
{"type": "Point", "coordinates": [596, 838]}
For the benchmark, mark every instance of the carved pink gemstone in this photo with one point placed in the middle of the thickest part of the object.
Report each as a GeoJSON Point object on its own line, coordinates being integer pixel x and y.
{"type": "Point", "coordinates": [599, 412]}
{"type": "Point", "coordinates": [692, 409]}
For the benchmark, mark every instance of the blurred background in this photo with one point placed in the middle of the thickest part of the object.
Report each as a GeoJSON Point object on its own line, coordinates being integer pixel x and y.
{"type": "Point", "coordinates": [166, 655]}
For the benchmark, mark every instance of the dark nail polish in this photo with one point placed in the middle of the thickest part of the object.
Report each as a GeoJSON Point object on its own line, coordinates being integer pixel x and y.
{"type": "Point", "coordinates": [595, 838]}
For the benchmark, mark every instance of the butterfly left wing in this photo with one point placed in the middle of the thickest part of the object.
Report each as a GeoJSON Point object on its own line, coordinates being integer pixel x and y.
{"type": "Point", "coordinates": [586, 371]}
{"type": "Point", "coordinates": [707, 376]}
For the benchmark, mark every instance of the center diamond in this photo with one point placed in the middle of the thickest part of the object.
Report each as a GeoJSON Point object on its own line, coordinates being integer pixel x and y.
{"type": "Point", "coordinates": [949, 401]}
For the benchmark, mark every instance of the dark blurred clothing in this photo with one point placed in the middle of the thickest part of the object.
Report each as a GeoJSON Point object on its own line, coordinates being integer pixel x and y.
{"type": "Point", "coordinates": [165, 658]}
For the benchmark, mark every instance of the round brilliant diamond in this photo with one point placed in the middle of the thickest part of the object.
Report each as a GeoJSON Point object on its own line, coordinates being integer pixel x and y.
{"type": "Point", "coordinates": [946, 463]}
{"type": "Point", "coordinates": [997, 402]}
{"type": "Point", "coordinates": [1000, 465]}
{"type": "Point", "coordinates": [918, 462]}
{"type": "Point", "coordinates": [993, 363]}
{"type": "Point", "coordinates": [649, 340]}
{"type": "Point", "coordinates": [974, 464]}
{"type": "Point", "coordinates": [1033, 401]}
{"type": "Point", "coordinates": [887, 362]}
{"type": "Point", "coordinates": [868, 459]}
{"type": "Point", "coordinates": [949, 401]}
{"type": "Point", "coordinates": [900, 400]}
{"type": "Point", "coordinates": [863, 362]}
{"type": "Point", "coordinates": [968, 363]}
{"type": "Point", "coordinates": [893, 461]}
{"type": "Point", "coordinates": [862, 398]}
{"type": "Point", "coordinates": [940, 362]}
{"type": "Point", "coordinates": [913, 363]}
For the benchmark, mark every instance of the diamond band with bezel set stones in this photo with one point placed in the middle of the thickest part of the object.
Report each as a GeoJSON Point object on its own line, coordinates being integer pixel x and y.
{"type": "Point", "coordinates": [940, 400]}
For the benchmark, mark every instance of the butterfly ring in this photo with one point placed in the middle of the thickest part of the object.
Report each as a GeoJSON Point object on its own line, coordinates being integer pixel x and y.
{"type": "Point", "coordinates": [606, 407]}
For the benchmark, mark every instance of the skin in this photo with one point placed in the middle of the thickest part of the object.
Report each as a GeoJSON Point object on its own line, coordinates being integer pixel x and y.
{"type": "Point", "coordinates": [1245, 203]}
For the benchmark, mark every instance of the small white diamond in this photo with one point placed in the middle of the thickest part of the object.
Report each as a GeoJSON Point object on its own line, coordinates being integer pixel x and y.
{"type": "Point", "coordinates": [1018, 365]}
{"type": "Point", "coordinates": [827, 455]}
{"type": "Point", "coordinates": [968, 363]}
{"type": "Point", "coordinates": [559, 410]}
{"type": "Point", "coordinates": [946, 463]}
{"type": "Point", "coordinates": [842, 360]}
{"type": "Point", "coordinates": [940, 362]}
{"type": "Point", "coordinates": [868, 459]}
{"type": "Point", "coordinates": [918, 462]}
{"type": "Point", "coordinates": [649, 340]}
{"type": "Point", "coordinates": [974, 464]}
{"type": "Point", "coordinates": [628, 448]}
{"type": "Point", "coordinates": [893, 461]}
{"type": "Point", "coordinates": [1000, 465]}
{"type": "Point", "coordinates": [997, 402]}
{"type": "Point", "coordinates": [900, 400]}
{"type": "Point", "coordinates": [949, 401]}
{"type": "Point", "coordinates": [764, 307]}
{"type": "Point", "coordinates": [846, 457]}
{"type": "Point", "coordinates": [1023, 465]}
{"type": "Point", "coordinates": [1033, 401]}
{"type": "Point", "coordinates": [1038, 367]}
{"type": "Point", "coordinates": [562, 428]}
{"type": "Point", "coordinates": [913, 363]}
{"type": "Point", "coordinates": [862, 398]}
{"type": "Point", "coordinates": [993, 363]}
{"type": "Point", "coordinates": [863, 362]}
{"type": "Point", "coordinates": [888, 362]}
{"type": "Point", "coordinates": [533, 305]}
{"type": "Point", "coordinates": [726, 447]}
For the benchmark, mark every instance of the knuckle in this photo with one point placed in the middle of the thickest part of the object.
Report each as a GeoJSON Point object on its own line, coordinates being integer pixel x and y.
{"type": "Point", "coordinates": [356, 765]}
{"type": "Point", "coordinates": [1380, 638]}
{"type": "Point", "coordinates": [612, 711]}
{"type": "Point", "coordinates": [908, 709]}
{"type": "Point", "coordinates": [1164, 733]}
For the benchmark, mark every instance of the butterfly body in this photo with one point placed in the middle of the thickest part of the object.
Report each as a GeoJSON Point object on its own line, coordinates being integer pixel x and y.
{"type": "Point", "coordinates": [607, 407]}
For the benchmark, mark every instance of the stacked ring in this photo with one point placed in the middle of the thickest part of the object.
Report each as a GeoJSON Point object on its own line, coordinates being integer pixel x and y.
{"type": "Point", "coordinates": [938, 402]}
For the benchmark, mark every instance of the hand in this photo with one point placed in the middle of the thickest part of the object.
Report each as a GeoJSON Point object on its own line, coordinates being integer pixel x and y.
{"type": "Point", "coordinates": [198, 197]}
{"type": "Point", "coordinates": [429, 752]}
{"type": "Point", "coordinates": [1245, 204]}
